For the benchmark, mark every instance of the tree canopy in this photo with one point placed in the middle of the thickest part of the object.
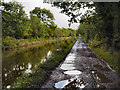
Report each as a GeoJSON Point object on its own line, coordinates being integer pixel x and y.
{"type": "Point", "coordinates": [16, 24]}
{"type": "Point", "coordinates": [44, 15]}
{"type": "Point", "coordinates": [100, 18]}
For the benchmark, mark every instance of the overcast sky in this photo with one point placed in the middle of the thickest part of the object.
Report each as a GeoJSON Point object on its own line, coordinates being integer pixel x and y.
{"type": "Point", "coordinates": [60, 19]}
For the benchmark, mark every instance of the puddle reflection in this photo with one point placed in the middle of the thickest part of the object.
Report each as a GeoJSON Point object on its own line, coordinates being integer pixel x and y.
{"type": "Point", "coordinates": [29, 69]}
{"type": "Point", "coordinates": [49, 53]}
{"type": "Point", "coordinates": [67, 66]}
{"type": "Point", "coordinates": [74, 83]}
{"type": "Point", "coordinates": [73, 72]}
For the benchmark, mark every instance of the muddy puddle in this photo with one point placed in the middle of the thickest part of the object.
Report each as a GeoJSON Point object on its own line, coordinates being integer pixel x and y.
{"type": "Point", "coordinates": [98, 66]}
{"type": "Point", "coordinates": [73, 72]}
{"type": "Point", "coordinates": [101, 77]}
{"type": "Point", "coordinates": [73, 83]}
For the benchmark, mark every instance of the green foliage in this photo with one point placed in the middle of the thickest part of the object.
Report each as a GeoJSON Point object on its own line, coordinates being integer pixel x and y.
{"type": "Point", "coordinates": [17, 25]}
{"type": "Point", "coordinates": [73, 10]}
{"type": "Point", "coordinates": [13, 20]}
{"type": "Point", "coordinates": [112, 59]}
{"type": "Point", "coordinates": [101, 20]}
{"type": "Point", "coordinates": [43, 14]}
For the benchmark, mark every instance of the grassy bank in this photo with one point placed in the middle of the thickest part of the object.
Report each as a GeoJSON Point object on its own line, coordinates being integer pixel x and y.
{"type": "Point", "coordinates": [111, 57]}
{"type": "Point", "coordinates": [43, 71]}
{"type": "Point", "coordinates": [12, 43]}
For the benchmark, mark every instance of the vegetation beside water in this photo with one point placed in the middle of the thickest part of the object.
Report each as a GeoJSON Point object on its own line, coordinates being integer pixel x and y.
{"type": "Point", "coordinates": [12, 43]}
{"type": "Point", "coordinates": [98, 28]}
{"type": "Point", "coordinates": [43, 71]}
{"type": "Point", "coordinates": [19, 30]}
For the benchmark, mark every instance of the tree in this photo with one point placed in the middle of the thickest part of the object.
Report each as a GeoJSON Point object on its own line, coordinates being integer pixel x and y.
{"type": "Point", "coordinates": [44, 15]}
{"type": "Point", "coordinates": [106, 14]}
{"type": "Point", "coordinates": [13, 17]}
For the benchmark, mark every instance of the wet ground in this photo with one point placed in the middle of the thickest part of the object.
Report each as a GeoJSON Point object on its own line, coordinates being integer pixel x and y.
{"type": "Point", "coordinates": [82, 69]}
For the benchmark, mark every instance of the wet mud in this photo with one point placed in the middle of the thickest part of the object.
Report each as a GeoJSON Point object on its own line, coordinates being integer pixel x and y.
{"type": "Point", "coordinates": [99, 77]}
{"type": "Point", "coordinates": [98, 66]}
{"type": "Point", "coordinates": [82, 69]}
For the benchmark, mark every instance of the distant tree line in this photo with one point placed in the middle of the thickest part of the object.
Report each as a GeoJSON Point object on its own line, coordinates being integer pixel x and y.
{"type": "Point", "coordinates": [16, 24]}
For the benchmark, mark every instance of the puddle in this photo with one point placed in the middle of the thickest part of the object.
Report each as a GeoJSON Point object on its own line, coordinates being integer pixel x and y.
{"type": "Point", "coordinates": [70, 57]}
{"type": "Point", "coordinates": [101, 77]}
{"type": "Point", "coordinates": [67, 66]}
{"type": "Point", "coordinates": [73, 72]}
{"type": "Point", "coordinates": [69, 61]}
{"type": "Point", "coordinates": [101, 67]}
{"type": "Point", "coordinates": [61, 84]}
{"type": "Point", "coordinates": [74, 83]}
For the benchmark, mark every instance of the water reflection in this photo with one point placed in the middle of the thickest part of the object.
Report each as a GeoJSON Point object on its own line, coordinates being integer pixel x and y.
{"type": "Point", "coordinates": [73, 72]}
{"type": "Point", "coordinates": [29, 69]}
{"type": "Point", "coordinates": [16, 63]}
{"type": "Point", "coordinates": [49, 53]}
{"type": "Point", "coordinates": [67, 66]}
{"type": "Point", "coordinates": [72, 84]}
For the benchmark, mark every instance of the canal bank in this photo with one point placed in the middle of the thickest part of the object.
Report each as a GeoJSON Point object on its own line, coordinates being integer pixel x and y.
{"type": "Point", "coordinates": [29, 67]}
{"type": "Point", "coordinates": [12, 43]}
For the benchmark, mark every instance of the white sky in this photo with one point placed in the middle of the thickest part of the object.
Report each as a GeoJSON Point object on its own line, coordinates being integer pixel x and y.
{"type": "Point", "coordinates": [60, 19]}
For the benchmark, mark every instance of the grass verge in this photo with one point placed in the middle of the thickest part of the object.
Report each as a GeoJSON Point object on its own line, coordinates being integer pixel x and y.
{"type": "Point", "coordinates": [110, 57]}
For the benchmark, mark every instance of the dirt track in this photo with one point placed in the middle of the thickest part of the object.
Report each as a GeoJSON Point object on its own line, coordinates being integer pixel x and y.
{"type": "Point", "coordinates": [82, 69]}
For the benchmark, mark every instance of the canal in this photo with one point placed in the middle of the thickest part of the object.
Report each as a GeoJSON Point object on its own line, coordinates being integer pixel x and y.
{"type": "Point", "coordinates": [21, 61]}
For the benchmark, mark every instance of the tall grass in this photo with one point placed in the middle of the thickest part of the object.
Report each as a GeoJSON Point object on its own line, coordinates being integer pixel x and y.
{"type": "Point", "coordinates": [111, 57]}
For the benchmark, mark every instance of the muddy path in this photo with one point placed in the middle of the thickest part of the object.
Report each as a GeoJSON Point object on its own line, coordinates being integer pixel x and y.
{"type": "Point", "coordinates": [82, 69]}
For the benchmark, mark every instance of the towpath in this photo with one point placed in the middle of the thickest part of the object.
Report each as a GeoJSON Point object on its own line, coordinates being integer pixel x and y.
{"type": "Point", "coordinates": [82, 69]}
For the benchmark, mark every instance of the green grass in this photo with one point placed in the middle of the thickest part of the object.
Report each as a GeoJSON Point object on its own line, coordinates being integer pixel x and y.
{"type": "Point", "coordinates": [43, 71]}
{"type": "Point", "coordinates": [110, 57]}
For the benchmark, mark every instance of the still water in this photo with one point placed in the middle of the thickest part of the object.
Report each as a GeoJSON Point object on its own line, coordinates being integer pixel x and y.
{"type": "Point", "coordinates": [24, 60]}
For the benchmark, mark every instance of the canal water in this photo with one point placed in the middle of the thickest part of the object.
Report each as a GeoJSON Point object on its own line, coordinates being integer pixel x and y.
{"type": "Point", "coordinates": [21, 61]}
